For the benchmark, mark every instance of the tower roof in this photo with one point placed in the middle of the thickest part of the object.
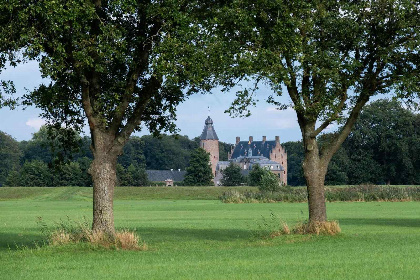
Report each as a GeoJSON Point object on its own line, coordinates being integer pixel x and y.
{"type": "Point", "coordinates": [208, 132]}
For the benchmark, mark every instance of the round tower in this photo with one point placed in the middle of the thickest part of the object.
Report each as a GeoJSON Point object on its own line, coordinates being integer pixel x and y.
{"type": "Point", "coordinates": [210, 143]}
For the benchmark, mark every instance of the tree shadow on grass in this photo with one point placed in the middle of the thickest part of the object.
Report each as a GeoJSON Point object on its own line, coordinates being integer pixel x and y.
{"type": "Point", "coordinates": [13, 241]}
{"type": "Point", "coordinates": [191, 234]}
{"type": "Point", "coordinates": [381, 222]}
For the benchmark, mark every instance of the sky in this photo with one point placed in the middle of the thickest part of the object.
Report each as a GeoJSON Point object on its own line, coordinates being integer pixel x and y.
{"type": "Point", "coordinates": [265, 120]}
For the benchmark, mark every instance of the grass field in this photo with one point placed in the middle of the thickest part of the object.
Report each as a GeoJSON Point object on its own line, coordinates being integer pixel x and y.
{"type": "Point", "coordinates": [192, 236]}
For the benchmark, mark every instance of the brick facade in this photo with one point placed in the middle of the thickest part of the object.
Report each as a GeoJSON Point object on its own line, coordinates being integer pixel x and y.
{"type": "Point", "coordinates": [278, 154]}
{"type": "Point", "coordinates": [212, 147]}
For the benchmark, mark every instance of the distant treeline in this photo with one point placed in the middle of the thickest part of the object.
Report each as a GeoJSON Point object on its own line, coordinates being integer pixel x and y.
{"type": "Point", "coordinates": [384, 148]}
{"type": "Point", "coordinates": [40, 161]}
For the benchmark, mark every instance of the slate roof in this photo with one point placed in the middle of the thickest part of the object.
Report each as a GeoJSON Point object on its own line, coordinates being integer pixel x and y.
{"type": "Point", "coordinates": [208, 132]}
{"type": "Point", "coordinates": [257, 148]}
{"type": "Point", "coordinates": [162, 175]}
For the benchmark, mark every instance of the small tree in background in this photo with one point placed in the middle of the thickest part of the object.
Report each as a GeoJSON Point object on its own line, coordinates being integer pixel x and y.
{"type": "Point", "coordinates": [199, 171]}
{"type": "Point", "coordinates": [232, 175]}
{"type": "Point", "coordinates": [254, 177]}
{"type": "Point", "coordinates": [269, 181]}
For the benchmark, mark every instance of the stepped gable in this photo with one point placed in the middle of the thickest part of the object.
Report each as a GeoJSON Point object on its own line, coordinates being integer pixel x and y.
{"type": "Point", "coordinates": [254, 148]}
{"type": "Point", "coordinates": [208, 132]}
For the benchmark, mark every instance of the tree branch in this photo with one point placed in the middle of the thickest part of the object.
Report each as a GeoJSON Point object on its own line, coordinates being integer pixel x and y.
{"type": "Point", "coordinates": [149, 89]}
{"type": "Point", "coordinates": [141, 62]}
{"type": "Point", "coordinates": [334, 116]}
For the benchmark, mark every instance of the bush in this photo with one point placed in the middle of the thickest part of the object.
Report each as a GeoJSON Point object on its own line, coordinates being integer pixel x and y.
{"type": "Point", "coordinates": [71, 232]}
{"type": "Point", "coordinates": [269, 182]}
{"type": "Point", "coordinates": [358, 193]}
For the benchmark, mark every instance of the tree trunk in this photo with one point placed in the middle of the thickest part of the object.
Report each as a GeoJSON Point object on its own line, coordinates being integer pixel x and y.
{"type": "Point", "coordinates": [314, 171]}
{"type": "Point", "coordinates": [104, 176]}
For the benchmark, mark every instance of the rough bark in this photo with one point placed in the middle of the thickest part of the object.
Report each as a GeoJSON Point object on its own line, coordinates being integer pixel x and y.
{"type": "Point", "coordinates": [103, 171]}
{"type": "Point", "coordinates": [314, 171]}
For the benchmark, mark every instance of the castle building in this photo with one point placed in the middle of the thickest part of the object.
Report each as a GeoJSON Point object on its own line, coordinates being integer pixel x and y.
{"type": "Point", "coordinates": [268, 154]}
{"type": "Point", "coordinates": [210, 143]}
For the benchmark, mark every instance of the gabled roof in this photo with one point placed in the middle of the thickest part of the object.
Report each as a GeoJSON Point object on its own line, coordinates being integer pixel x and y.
{"type": "Point", "coordinates": [162, 175]}
{"type": "Point", "coordinates": [254, 148]}
{"type": "Point", "coordinates": [208, 132]}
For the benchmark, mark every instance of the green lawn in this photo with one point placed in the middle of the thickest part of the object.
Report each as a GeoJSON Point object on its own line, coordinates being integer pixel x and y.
{"type": "Point", "coordinates": [206, 239]}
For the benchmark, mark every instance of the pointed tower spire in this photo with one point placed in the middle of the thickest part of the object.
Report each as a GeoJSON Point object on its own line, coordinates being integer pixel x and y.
{"type": "Point", "coordinates": [208, 132]}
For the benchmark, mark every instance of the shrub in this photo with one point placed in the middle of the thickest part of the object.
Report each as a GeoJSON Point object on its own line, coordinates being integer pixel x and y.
{"type": "Point", "coordinates": [273, 226]}
{"type": "Point", "coordinates": [318, 228]}
{"type": "Point", "coordinates": [358, 193]}
{"type": "Point", "coordinates": [269, 182]}
{"type": "Point", "coordinates": [70, 232]}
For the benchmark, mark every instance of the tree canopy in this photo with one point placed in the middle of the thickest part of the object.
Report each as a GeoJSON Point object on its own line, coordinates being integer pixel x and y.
{"type": "Point", "coordinates": [118, 66]}
{"type": "Point", "coordinates": [9, 154]}
{"type": "Point", "coordinates": [330, 57]}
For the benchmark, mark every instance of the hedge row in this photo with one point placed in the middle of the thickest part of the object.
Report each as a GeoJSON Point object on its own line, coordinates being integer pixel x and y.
{"type": "Point", "coordinates": [357, 193]}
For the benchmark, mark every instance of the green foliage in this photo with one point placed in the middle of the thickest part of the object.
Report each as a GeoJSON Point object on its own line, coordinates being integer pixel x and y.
{"type": "Point", "coordinates": [382, 148]}
{"type": "Point", "coordinates": [232, 175]}
{"type": "Point", "coordinates": [255, 175]}
{"type": "Point", "coordinates": [224, 149]}
{"type": "Point", "coordinates": [7, 89]}
{"type": "Point", "coordinates": [55, 146]}
{"type": "Point", "coordinates": [384, 145]}
{"type": "Point", "coordinates": [9, 155]}
{"type": "Point", "coordinates": [35, 174]}
{"type": "Point", "coordinates": [69, 174]}
{"type": "Point", "coordinates": [295, 155]}
{"type": "Point", "coordinates": [199, 170]}
{"type": "Point", "coordinates": [167, 152]}
{"type": "Point", "coordinates": [269, 182]}
{"type": "Point", "coordinates": [133, 175]}
{"type": "Point", "coordinates": [358, 193]}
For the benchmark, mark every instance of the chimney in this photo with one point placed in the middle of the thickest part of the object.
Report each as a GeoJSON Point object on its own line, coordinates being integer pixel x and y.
{"type": "Point", "coordinates": [264, 138]}
{"type": "Point", "coordinates": [277, 139]}
{"type": "Point", "coordinates": [251, 139]}
{"type": "Point", "coordinates": [238, 139]}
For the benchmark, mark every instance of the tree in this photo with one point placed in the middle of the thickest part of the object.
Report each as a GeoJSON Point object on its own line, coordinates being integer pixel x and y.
{"type": "Point", "coordinates": [167, 152]}
{"type": "Point", "coordinates": [232, 175]}
{"type": "Point", "coordinates": [255, 175]}
{"type": "Point", "coordinates": [330, 57]}
{"type": "Point", "coordinates": [54, 146]}
{"type": "Point", "coordinates": [35, 174]}
{"type": "Point", "coordinates": [199, 170]}
{"type": "Point", "coordinates": [9, 155]}
{"type": "Point", "coordinates": [119, 65]}
{"type": "Point", "coordinates": [269, 181]}
{"type": "Point", "coordinates": [133, 152]}
{"type": "Point", "coordinates": [384, 140]}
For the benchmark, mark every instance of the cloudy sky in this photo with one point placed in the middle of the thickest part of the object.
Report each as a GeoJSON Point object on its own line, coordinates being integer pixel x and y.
{"type": "Point", "coordinates": [265, 119]}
